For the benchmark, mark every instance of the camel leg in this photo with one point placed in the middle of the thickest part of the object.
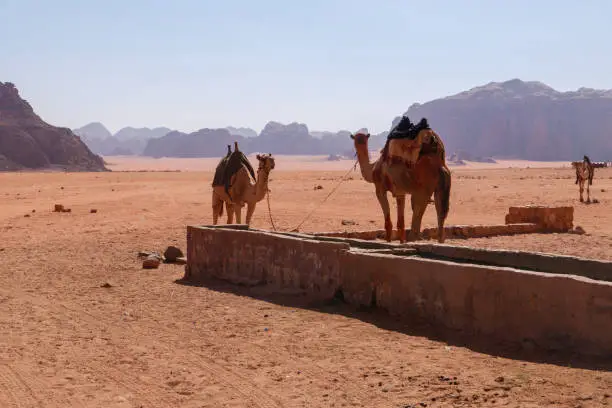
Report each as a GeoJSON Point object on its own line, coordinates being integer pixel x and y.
{"type": "Point", "coordinates": [588, 193]}
{"type": "Point", "coordinates": [249, 213]}
{"type": "Point", "coordinates": [419, 203]}
{"type": "Point", "coordinates": [238, 210]}
{"type": "Point", "coordinates": [581, 187]}
{"type": "Point", "coordinates": [230, 213]}
{"type": "Point", "coordinates": [381, 195]}
{"type": "Point", "coordinates": [217, 207]}
{"type": "Point", "coordinates": [442, 201]}
{"type": "Point", "coordinates": [401, 228]}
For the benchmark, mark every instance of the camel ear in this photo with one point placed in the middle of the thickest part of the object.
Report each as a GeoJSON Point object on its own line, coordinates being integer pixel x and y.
{"type": "Point", "coordinates": [258, 157]}
{"type": "Point", "coordinates": [352, 136]}
{"type": "Point", "coordinates": [368, 136]}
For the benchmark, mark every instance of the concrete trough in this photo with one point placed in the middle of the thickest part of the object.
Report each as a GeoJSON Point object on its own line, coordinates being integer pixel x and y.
{"type": "Point", "coordinates": [564, 312]}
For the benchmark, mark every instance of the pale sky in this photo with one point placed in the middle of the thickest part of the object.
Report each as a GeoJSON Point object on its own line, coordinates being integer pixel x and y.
{"type": "Point", "coordinates": [332, 64]}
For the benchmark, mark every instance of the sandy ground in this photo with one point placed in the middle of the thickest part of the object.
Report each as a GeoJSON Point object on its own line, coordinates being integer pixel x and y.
{"type": "Point", "coordinates": [147, 341]}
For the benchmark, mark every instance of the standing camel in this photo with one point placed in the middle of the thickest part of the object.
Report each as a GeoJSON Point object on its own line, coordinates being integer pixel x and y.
{"type": "Point", "coordinates": [584, 172]}
{"type": "Point", "coordinates": [235, 185]}
{"type": "Point", "coordinates": [412, 162]}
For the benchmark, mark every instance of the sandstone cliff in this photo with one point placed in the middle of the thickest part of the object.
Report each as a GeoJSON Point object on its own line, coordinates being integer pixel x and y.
{"type": "Point", "coordinates": [27, 142]}
{"type": "Point", "coordinates": [524, 120]}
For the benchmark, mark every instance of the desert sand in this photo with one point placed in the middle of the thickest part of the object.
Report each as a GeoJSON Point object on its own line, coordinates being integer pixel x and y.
{"type": "Point", "coordinates": [69, 340]}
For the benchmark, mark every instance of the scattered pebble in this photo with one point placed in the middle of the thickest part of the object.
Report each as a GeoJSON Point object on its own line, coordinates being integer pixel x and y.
{"type": "Point", "coordinates": [106, 285]}
{"type": "Point", "coordinates": [348, 222]}
{"type": "Point", "coordinates": [27, 216]}
{"type": "Point", "coordinates": [93, 211]}
{"type": "Point", "coordinates": [318, 187]}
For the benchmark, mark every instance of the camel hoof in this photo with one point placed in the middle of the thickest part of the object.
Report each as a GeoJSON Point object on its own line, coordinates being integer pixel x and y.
{"type": "Point", "coordinates": [581, 200]}
{"type": "Point", "coordinates": [588, 201]}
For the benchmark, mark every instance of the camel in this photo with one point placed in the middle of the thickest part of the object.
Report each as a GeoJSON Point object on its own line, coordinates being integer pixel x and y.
{"type": "Point", "coordinates": [235, 185]}
{"type": "Point", "coordinates": [584, 172]}
{"type": "Point", "coordinates": [412, 162]}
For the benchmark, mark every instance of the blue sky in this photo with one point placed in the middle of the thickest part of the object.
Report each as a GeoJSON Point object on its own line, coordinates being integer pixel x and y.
{"type": "Point", "coordinates": [332, 64]}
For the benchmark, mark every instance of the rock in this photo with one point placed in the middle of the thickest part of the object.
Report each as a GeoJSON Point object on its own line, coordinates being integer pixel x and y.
{"type": "Point", "coordinates": [151, 262]}
{"type": "Point", "coordinates": [67, 210]}
{"type": "Point", "coordinates": [58, 208]}
{"type": "Point", "coordinates": [27, 216]}
{"type": "Point", "coordinates": [181, 260]}
{"type": "Point", "coordinates": [33, 211]}
{"type": "Point", "coordinates": [106, 285]}
{"type": "Point", "coordinates": [26, 141]}
{"type": "Point", "coordinates": [318, 187]}
{"type": "Point", "coordinates": [578, 230]}
{"type": "Point", "coordinates": [348, 222]}
{"type": "Point", "coordinates": [93, 211]}
{"type": "Point", "coordinates": [172, 253]}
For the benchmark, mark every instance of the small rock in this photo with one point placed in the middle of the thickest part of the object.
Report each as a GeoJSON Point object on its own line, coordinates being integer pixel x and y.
{"type": "Point", "coordinates": [181, 260]}
{"type": "Point", "coordinates": [578, 230]}
{"type": "Point", "coordinates": [603, 190]}
{"type": "Point", "coordinates": [495, 186]}
{"type": "Point", "coordinates": [106, 285]}
{"type": "Point", "coordinates": [62, 187]}
{"type": "Point", "coordinates": [595, 201]}
{"type": "Point", "coordinates": [318, 187]}
{"type": "Point", "coordinates": [499, 379]}
{"type": "Point", "coordinates": [67, 210]}
{"type": "Point", "coordinates": [33, 211]}
{"type": "Point", "coordinates": [151, 262]}
{"type": "Point", "coordinates": [348, 222]}
{"type": "Point", "coordinates": [58, 208]}
{"type": "Point", "coordinates": [172, 253]}
{"type": "Point", "coordinates": [27, 216]}
{"type": "Point", "coordinates": [93, 211]}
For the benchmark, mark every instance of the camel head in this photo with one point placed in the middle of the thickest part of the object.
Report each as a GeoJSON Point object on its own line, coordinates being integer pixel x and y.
{"type": "Point", "coordinates": [266, 161]}
{"type": "Point", "coordinates": [360, 140]}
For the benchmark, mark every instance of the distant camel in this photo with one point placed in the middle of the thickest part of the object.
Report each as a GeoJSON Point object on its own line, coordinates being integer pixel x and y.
{"type": "Point", "coordinates": [584, 172]}
{"type": "Point", "coordinates": [412, 162]}
{"type": "Point", "coordinates": [235, 185]}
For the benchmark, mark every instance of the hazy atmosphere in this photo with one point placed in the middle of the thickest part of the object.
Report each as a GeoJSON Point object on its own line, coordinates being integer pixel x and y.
{"type": "Point", "coordinates": [304, 204]}
{"type": "Point", "coordinates": [334, 65]}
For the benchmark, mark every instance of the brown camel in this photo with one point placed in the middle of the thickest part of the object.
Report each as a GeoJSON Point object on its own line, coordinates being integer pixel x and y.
{"type": "Point", "coordinates": [234, 186]}
{"type": "Point", "coordinates": [414, 165]}
{"type": "Point", "coordinates": [584, 175]}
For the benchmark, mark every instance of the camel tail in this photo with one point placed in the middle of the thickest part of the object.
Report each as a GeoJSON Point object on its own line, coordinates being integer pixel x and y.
{"type": "Point", "coordinates": [443, 192]}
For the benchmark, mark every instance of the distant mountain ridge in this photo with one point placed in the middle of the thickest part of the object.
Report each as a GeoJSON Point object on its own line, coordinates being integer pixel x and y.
{"type": "Point", "coordinates": [512, 119]}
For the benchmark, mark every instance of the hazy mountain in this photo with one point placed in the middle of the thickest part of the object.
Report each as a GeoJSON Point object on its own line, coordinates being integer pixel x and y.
{"type": "Point", "coordinates": [26, 141]}
{"type": "Point", "coordinates": [203, 143]}
{"type": "Point", "coordinates": [525, 120]}
{"type": "Point", "coordinates": [93, 131]}
{"type": "Point", "coordinates": [242, 131]}
{"type": "Point", "coordinates": [127, 141]}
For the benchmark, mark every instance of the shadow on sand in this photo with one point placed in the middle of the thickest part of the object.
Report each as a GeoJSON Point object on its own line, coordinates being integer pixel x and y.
{"type": "Point", "coordinates": [379, 318]}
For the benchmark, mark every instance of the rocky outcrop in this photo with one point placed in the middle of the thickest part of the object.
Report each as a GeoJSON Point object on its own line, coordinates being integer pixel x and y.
{"type": "Point", "coordinates": [523, 120]}
{"type": "Point", "coordinates": [242, 131]}
{"type": "Point", "coordinates": [203, 143]}
{"type": "Point", "coordinates": [127, 141]}
{"type": "Point", "coordinates": [27, 142]}
{"type": "Point", "coordinates": [294, 138]}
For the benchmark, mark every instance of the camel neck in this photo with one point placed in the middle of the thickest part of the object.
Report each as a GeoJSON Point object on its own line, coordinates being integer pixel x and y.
{"type": "Point", "coordinates": [364, 163]}
{"type": "Point", "coordinates": [261, 186]}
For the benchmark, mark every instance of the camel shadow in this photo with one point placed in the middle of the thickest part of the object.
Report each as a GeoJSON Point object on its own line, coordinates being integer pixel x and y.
{"type": "Point", "coordinates": [380, 319]}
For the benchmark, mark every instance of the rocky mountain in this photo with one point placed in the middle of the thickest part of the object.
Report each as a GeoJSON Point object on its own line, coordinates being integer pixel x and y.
{"type": "Point", "coordinates": [242, 131]}
{"type": "Point", "coordinates": [127, 141]}
{"type": "Point", "coordinates": [203, 143]}
{"type": "Point", "coordinates": [28, 142]}
{"type": "Point", "coordinates": [523, 120]}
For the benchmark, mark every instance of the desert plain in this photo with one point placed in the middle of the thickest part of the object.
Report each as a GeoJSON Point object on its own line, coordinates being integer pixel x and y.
{"type": "Point", "coordinates": [83, 325]}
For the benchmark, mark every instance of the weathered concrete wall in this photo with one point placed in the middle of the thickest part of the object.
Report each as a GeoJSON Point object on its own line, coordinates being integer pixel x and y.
{"type": "Point", "coordinates": [560, 312]}
{"type": "Point", "coordinates": [253, 258]}
{"type": "Point", "coordinates": [560, 264]}
{"type": "Point", "coordinates": [554, 311]}
{"type": "Point", "coordinates": [558, 219]}
{"type": "Point", "coordinates": [451, 232]}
